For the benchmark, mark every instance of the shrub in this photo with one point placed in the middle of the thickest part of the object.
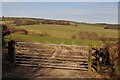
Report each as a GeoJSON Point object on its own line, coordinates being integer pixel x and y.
{"type": "Point", "coordinates": [74, 36]}
{"type": "Point", "coordinates": [38, 33]}
{"type": "Point", "coordinates": [18, 31]}
{"type": "Point", "coordinates": [92, 36]}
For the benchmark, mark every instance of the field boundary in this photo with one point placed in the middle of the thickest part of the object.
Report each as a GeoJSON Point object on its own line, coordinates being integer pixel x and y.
{"type": "Point", "coordinates": [52, 55]}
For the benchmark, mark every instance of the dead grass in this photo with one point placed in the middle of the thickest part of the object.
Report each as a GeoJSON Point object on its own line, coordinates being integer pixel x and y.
{"type": "Point", "coordinates": [92, 36]}
{"type": "Point", "coordinates": [27, 32]}
{"type": "Point", "coordinates": [33, 33]}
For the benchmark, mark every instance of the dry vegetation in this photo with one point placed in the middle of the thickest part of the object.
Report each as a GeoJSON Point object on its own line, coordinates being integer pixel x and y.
{"type": "Point", "coordinates": [33, 33]}
{"type": "Point", "coordinates": [92, 36]}
{"type": "Point", "coordinates": [24, 31]}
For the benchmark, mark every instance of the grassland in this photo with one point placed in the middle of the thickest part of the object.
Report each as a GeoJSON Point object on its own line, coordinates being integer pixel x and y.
{"type": "Point", "coordinates": [62, 33]}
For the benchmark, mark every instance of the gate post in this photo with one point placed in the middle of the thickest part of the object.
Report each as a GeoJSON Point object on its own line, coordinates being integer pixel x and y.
{"type": "Point", "coordinates": [11, 52]}
{"type": "Point", "coordinates": [89, 59]}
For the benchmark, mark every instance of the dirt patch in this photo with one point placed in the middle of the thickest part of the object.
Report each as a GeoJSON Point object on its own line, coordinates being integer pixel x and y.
{"type": "Point", "coordinates": [36, 72]}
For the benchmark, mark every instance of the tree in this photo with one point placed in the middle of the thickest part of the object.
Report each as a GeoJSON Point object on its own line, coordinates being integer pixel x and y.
{"type": "Point", "coordinates": [5, 32]}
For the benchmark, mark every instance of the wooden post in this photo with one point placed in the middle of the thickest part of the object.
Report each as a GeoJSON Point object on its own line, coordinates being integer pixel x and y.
{"type": "Point", "coordinates": [97, 66]}
{"type": "Point", "coordinates": [11, 52]}
{"type": "Point", "coordinates": [119, 51]}
{"type": "Point", "coordinates": [90, 62]}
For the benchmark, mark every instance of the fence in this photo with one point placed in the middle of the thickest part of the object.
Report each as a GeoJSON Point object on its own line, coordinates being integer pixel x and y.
{"type": "Point", "coordinates": [52, 55]}
{"type": "Point", "coordinates": [56, 56]}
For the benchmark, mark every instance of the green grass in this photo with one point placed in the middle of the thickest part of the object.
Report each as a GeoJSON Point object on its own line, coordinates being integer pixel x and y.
{"type": "Point", "coordinates": [64, 31]}
{"type": "Point", "coordinates": [53, 40]}
{"type": "Point", "coordinates": [62, 34]}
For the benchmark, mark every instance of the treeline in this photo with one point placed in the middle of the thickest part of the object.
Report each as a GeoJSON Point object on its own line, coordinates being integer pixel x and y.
{"type": "Point", "coordinates": [112, 27]}
{"type": "Point", "coordinates": [32, 21]}
{"type": "Point", "coordinates": [61, 22]}
{"type": "Point", "coordinates": [24, 22]}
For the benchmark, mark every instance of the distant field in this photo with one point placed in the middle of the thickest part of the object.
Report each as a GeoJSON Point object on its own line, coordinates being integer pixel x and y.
{"type": "Point", "coordinates": [53, 40]}
{"type": "Point", "coordinates": [63, 33]}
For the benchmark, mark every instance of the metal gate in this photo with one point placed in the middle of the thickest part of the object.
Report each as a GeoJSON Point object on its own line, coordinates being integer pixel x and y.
{"type": "Point", "coordinates": [52, 56]}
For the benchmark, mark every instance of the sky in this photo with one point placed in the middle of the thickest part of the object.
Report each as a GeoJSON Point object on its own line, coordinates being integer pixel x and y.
{"type": "Point", "coordinates": [90, 12]}
{"type": "Point", "coordinates": [60, 0]}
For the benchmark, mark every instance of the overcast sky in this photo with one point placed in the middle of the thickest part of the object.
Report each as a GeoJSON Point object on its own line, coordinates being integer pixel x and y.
{"type": "Point", "coordinates": [92, 12]}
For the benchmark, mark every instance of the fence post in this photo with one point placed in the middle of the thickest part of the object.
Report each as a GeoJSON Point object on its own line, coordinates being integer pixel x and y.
{"type": "Point", "coordinates": [11, 52]}
{"type": "Point", "coordinates": [90, 62]}
{"type": "Point", "coordinates": [98, 66]}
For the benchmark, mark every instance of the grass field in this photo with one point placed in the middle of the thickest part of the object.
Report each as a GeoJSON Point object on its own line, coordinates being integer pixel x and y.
{"type": "Point", "coordinates": [62, 33]}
